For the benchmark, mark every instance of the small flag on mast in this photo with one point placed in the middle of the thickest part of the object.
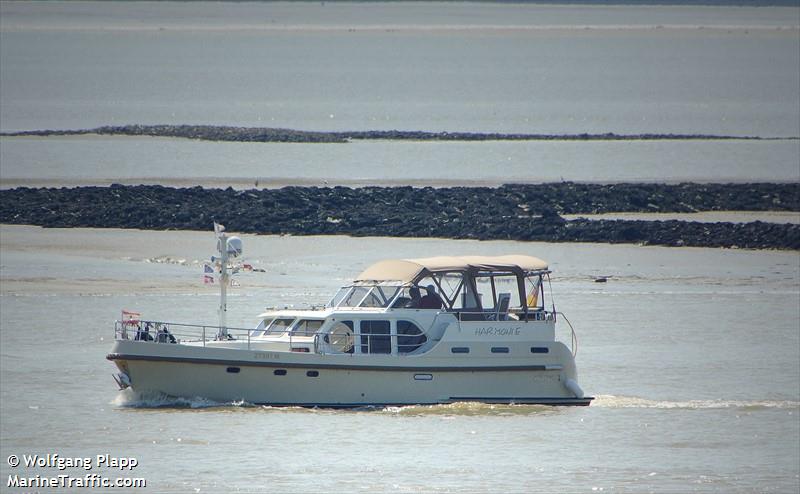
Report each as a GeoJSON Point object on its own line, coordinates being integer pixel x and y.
{"type": "Point", "coordinates": [130, 317]}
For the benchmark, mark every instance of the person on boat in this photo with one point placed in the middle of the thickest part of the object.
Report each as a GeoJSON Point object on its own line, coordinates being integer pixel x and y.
{"type": "Point", "coordinates": [164, 336]}
{"type": "Point", "coordinates": [416, 298]}
{"type": "Point", "coordinates": [144, 335]}
{"type": "Point", "coordinates": [431, 300]}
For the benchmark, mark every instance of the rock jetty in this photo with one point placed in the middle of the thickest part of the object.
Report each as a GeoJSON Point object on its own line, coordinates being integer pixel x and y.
{"type": "Point", "coordinates": [267, 134]}
{"type": "Point", "coordinates": [512, 212]}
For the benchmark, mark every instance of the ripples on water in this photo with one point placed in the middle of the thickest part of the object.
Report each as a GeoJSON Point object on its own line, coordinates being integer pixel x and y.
{"type": "Point", "coordinates": [667, 345]}
{"type": "Point", "coordinates": [129, 399]}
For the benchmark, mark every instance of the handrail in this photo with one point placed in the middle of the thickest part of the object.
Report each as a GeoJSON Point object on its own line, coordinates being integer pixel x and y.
{"type": "Point", "coordinates": [492, 315]}
{"type": "Point", "coordinates": [171, 332]}
{"type": "Point", "coordinates": [574, 335]}
{"type": "Point", "coordinates": [165, 332]}
{"type": "Point", "coordinates": [181, 324]}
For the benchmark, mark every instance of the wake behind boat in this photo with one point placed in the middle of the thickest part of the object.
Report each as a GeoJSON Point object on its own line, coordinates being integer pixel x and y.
{"type": "Point", "coordinates": [411, 331]}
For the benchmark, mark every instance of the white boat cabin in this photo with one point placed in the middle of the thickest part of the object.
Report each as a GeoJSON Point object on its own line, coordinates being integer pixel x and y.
{"type": "Point", "coordinates": [403, 307]}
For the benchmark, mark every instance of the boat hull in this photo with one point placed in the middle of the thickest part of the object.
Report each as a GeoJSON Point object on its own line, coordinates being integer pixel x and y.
{"type": "Point", "coordinates": [299, 380]}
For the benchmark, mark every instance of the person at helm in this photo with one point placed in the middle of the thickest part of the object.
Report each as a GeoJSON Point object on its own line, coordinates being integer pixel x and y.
{"type": "Point", "coordinates": [431, 300]}
{"type": "Point", "coordinates": [416, 298]}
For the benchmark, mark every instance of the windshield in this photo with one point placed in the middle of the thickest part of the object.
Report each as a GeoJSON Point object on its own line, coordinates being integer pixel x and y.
{"type": "Point", "coordinates": [365, 296]}
{"type": "Point", "coordinates": [279, 326]}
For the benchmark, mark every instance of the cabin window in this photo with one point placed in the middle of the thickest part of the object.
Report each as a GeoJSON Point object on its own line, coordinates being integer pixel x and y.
{"type": "Point", "coordinates": [460, 349]}
{"type": "Point", "coordinates": [499, 349]}
{"type": "Point", "coordinates": [340, 296]}
{"type": "Point", "coordinates": [404, 300]}
{"type": "Point", "coordinates": [279, 326]}
{"type": "Point", "coordinates": [233, 370]}
{"type": "Point", "coordinates": [354, 296]}
{"type": "Point", "coordinates": [492, 287]}
{"type": "Point", "coordinates": [431, 294]}
{"type": "Point", "coordinates": [450, 286]}
{"type": "Point", "coordinates": [533, 292]}
{"type": "Point", "coordinates": [508, 284]}
{"type": "Point", "coordinates": [485, 295]}
{"type": "Point", "coordinates": [376, 337]}
{"type": "Point", "coordinates": [373, 298]}
{"type": "Point", "coordinates": [259, 330]}
{"type": "Point", "coordinates": [540, 349]}
{"type": "Point", "coordinates": [470, 299]}
{"type": "Point", "coordinates": [312, 373]}
{"type": "Point", "coordinates": [409, 337]}
{"type": "Point", "coordinates": [307, 327]}
{"type": "Point", "coordinates": [379, 295]}
{"type": "Point", "coordinates": [279, 372]}
{"type": "Point", "coordinates": [340, 337]}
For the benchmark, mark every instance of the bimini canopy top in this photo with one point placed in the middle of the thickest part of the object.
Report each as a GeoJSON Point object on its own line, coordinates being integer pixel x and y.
{"type": "Point", "coordinates": [410, 270]}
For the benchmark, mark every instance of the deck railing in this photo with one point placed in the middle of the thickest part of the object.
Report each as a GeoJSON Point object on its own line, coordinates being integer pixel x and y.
{"type": "Point", "coordinates": [573, 337]}
{"type": "Point", "coordinates": [510, 316]}
{"type": "Point", "coordinates": [169, 332]}
{"type": "Point", "coordinates": [162, 332]}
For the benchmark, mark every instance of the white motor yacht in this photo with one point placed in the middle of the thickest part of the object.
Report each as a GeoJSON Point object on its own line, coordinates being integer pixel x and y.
{"type": "Point", "coordinates": [408, 331]}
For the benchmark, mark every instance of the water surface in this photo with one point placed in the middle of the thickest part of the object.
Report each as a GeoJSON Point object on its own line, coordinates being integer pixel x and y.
{"type": "Point", "coordinates": [692, 353]}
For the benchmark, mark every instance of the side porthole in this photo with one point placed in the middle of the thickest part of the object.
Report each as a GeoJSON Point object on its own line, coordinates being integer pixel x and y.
{"type": "Point", "coordinates": [312, 373]}
{"type": "Point", "coordinates": [460, 349]}
{"type": "Point", "coordinates": [233, 370]}
{"type": "Point", "coordinates": [499, 349]}
{"type": "Point", "coordinates": [279, 372]}
{"type": "Point", "coordinates": [540, 349]}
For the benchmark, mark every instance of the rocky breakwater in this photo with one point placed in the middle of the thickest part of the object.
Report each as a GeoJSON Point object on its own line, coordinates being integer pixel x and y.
{"type": "Point", "coordinates": [271, 134]}
{"type": "Point", "coordinates": [513, 212]}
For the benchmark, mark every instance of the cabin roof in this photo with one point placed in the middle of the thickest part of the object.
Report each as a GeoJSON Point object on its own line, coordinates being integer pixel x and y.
{"type": "Point", "coordinates": [409, 270]}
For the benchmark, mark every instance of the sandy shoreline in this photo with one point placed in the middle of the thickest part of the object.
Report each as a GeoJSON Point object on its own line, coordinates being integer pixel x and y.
{"type": "Point", "coordinates": [779, 217]}
{"type": "Point", "coordinates": [239, 183]}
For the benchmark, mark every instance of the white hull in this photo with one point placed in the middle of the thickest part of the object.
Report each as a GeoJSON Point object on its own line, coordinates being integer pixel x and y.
{"type": "Point", "coordinates": [345, 380]}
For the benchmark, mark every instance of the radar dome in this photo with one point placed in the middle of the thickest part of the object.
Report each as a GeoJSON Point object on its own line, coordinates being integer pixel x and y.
{"type": "Point", "coordinates": [234, 246]}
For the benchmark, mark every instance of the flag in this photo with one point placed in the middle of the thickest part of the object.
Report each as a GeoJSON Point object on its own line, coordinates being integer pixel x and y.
{"type": "Point", "coordinates": [130, 317]}
{"type": "Point", "coordinates": [533, 297]}
{"type": "Point", "coordinates": [208, 269]}
{"type": "Point", "coordinates": [208, 279]}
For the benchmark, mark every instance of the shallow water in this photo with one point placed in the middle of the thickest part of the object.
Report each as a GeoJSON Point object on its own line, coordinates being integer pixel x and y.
{"type": "Point", "coordinates": [409, 66]}
{"type": "Point", "coordinates": [96, 160]}
{"type": "Point", "coordinates": [692, 354]}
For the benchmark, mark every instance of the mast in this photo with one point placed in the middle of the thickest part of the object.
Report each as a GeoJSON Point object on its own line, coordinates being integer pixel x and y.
{"type": "Point", "coordinates": [222, 247]}
{"type": "Point", "coordinates": [227, 247]}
